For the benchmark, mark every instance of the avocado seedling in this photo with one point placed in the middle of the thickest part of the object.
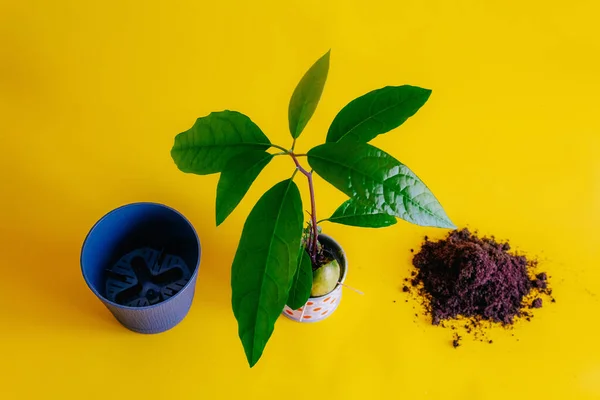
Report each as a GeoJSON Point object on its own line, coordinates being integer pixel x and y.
{"type": "Point", "coordinates": [275, 264]}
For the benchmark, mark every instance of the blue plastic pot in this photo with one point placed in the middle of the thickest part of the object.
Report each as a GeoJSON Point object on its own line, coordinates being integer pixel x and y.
{"type": "Point", "coordinates": [141, 260]}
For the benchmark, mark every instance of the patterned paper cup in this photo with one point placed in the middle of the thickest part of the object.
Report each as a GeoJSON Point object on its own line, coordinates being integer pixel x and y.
{"type": "Point", "coordinates": [319, 308]}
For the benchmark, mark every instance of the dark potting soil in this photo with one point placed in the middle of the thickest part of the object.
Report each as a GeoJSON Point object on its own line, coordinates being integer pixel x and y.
{"type": "Point", "coordinates": [475, 278]}
{"type": "Point", "coordinates": [324, 255]}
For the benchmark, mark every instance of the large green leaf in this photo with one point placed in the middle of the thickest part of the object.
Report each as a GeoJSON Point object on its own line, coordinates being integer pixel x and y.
{"type": "Point", "coordinates": [207, 146]}
{"type": "Point", "coordinates": [354, 213]}
{"type": "Point", "coordinates": [307, 94]}
{"type": "Point", "coordinates": [371, 176]}
{"type": "Point", "coordinates": [377, 112]}
{"type": "Point", "coordinates": [236, 179]}
{"type": "Point", "coordinates": [302, 283]}
{"type": "Point", "coordinates": [264, 265]}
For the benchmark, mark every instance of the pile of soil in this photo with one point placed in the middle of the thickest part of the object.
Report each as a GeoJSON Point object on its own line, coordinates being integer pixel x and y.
{"type": "Point", "coordinates": [476, 278]}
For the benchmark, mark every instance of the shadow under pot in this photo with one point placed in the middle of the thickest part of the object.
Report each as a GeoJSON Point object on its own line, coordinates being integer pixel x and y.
{"type": "Point", "coordinates": [321, 307]}
{"type": "Point", "coordinates": [141, 260]}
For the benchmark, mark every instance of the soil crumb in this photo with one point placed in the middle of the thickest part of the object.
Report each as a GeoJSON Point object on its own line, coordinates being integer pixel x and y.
{"type": "Point", "coordinates": [456, 340]}
{"type": "Point", "coordinates": [477, 281]}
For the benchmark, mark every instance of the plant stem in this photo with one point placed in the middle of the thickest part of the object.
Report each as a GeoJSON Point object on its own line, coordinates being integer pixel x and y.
{"type": "Point", "coordinates": [280, 147]}
{"type": "Point", "coordinates": [312, 244]}
{"type": "Point", "coordinates": [313, 216]}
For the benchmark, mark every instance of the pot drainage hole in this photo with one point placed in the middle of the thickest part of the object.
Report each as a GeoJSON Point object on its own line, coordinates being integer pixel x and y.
{"type": "Point", "coordinates": [145, 277]}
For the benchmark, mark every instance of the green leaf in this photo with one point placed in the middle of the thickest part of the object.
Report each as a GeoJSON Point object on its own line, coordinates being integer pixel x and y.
{"type": "Point", "coordinates": [302, 283]}
{"type": "Point", "coordinates": [207, 146]}
{"type": "Point", "coordinates": [264, 265]}
{"type": "Point", "coordinates": [376, 112]}
{"type": "Point", "coordinates": [371, 176]}
{"type": "Point", "coordinates": [354, 213]}
{"type": "Point", "coordinates": [307, 94]}
{"type": "Point", "coordinates": [236, 179]}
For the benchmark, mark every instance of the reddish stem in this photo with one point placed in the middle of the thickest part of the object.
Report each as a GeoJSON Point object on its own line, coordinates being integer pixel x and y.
{"type": "Point", "coordinates": [313, 216]}
{"type": "Point", "coordinates": [312, 243]}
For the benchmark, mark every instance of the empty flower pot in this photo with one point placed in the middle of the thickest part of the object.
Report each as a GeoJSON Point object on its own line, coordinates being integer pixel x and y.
{"type": "Point", "coordinates": [141, 260]}
{"type": "Point", "coordinates": [319, 308]}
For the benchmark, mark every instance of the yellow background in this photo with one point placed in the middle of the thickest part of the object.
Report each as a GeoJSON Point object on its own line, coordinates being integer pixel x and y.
{"type": "Point", "coordinates": [93, 93]}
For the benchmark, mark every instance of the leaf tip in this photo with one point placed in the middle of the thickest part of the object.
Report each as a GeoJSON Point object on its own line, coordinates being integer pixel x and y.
{"type": "Point", "coordinates": [173, 153]}
{"type": "Point", "coordinates": [424, 92]}
{"type": "Point", "coordinates": [252, 353]}
{"type": "Point", "coordinates": [253, 358]}
{"type": "Point", "coordinates": [219, 214]}
{"type": "Point", "coordinates": [449, 224]}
